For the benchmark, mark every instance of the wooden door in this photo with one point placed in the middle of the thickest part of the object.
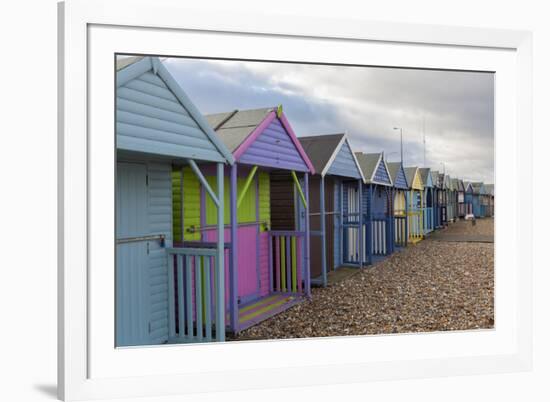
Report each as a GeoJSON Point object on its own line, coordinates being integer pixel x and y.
{"type": "Point", "coordinates": [316, 266]}
{"type": "Point", "coordinates": [132, 284]}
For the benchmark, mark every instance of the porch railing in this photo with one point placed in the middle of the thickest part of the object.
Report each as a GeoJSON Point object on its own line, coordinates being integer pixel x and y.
{"type": "Point", "coordinates": [193, 310]}
{"type": "Point", "coordinates": [400, 224]}
{"type": "Point", "coordinates": [378, 237]}
{"type": "Point", "coordinates": [351, 239]}
{"type": "Point", "coordinates": [414, 224]}
{"type": "Point", "coordinates": [286, 262]}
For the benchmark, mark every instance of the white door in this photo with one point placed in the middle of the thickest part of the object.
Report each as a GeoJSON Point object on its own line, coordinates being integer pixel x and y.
{"type": "Point", "coordinates": [132, 280]}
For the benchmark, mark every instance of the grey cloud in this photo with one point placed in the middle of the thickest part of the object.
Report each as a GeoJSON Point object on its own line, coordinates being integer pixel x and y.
{"type": "Point", "coordinates": [457, 107]}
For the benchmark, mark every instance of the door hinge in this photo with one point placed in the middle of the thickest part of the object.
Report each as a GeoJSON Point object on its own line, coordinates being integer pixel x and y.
{"type": "Point", "coordinates": [146, 179]}
{"type": "Point", "coordinates": [147, 248]}
{"type": "Point", "coordinates": [149, 326]}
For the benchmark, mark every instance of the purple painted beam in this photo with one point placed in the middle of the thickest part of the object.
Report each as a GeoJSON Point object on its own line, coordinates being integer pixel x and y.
{"type": "Point", "coordinates": [233, 266]}
{"type": "Point", "coordinates": [306, 251]}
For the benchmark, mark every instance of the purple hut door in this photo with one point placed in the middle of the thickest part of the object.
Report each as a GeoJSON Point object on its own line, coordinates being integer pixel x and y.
{"type": "Point", "coordinates": [247, 259]}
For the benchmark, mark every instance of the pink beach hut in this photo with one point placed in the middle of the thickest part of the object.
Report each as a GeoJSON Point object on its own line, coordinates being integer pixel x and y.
{"type": "Point", "coordinates": [267, 270]}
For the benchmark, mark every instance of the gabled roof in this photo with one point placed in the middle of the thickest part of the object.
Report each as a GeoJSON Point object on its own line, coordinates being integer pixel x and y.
{"type": "Point", "coordinates": [478, 188]}
{"type": "Point", "coordinates": [468, 186]}
{"type": "Point", "coordinates": [454, 184]}
{"type": "Point", "coordinates": [239, 130]}
{"type": "Point", "coordinates": [370, 164]}
{"type": "Point", "coordinates": [323, 151]}
{"type": "Point", "coordinates": [397, 174]}
{"type": "Point", "coordinates": [461, 185]}
{"type": "Point", "coordinates": [441, 180]}
{"type": "Point", "coordinates": [155, 115]}
{"type": "Point", "coordinates": [412, 173]}
{"type": "Point", "coordinates": [435, 178]}
{"type": "Point", "coordinates": [426, 175]}
{"type": "Point", "coordinates": [490, 189]}
{"type": "Point", "coordinates": [447, 181]}
{"type": "Point", "coordinates": [235, 126]}
{"type": "Point", "coordinates": [123, 62]}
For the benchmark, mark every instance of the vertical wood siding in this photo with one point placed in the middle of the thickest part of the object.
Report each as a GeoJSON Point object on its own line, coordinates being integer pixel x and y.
{"type": "Point", "coordinates": [264, 200]}
{"type": "Point", "coordinates": [191, 202]}
{"type": "Point", "coordinates": [274, 148]}
{"type": "Point", "coordinates": [160, 222]}
{"type": "Point", "coordinates": [337, 224]}
{"type": "Point", "coordinates": [344, 163]}
{"type": "Point", "coordinates": [282, 201]}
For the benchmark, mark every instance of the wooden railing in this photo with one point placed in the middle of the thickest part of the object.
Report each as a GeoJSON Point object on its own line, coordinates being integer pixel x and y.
{"type": "Point", "coordinates": [350, 242]}
{"type": "Point", "coordinates": [400, 224]}
{"type": "Point", "coordinates": [194, 313]}
{"type": "Point", "coordinates": [415, 225]}
{"type": "Point", "coordinates": [286, 265]}
{"type": "Point", "coordinates": [379, 236]}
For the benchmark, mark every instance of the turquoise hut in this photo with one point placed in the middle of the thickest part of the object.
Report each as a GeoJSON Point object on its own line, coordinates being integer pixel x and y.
{"type": "Point", "coordinates": [158, 125]}
{"type": "Point", "coordinates": [428, 200]}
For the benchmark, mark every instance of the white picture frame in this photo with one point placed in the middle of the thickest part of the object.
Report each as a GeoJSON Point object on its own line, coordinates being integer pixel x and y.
{"type": "Point", "coordinates": [89, 33]}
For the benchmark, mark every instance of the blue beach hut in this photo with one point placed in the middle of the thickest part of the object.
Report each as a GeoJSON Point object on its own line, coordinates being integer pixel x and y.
{"type": "Point", "coordinates": [399, 200]}
{"type": "Point", "coordinates": [157, 125]}
{"type": "Point", "coordinates": [335, 236]}
{"type": "Point", "coordinates": [378, 238]}
{"type": "Point", "coordinates": [428, 200]}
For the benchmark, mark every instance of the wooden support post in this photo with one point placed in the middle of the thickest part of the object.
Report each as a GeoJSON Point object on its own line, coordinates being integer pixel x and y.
{"type": "Point", "coordinates": [246, 185]}
{"type": "Point", "coordinates": [369, 225]}
{"type": "Point", "coordinates": [306, 207]}
{"type": "Point", "coordinates": [323, 232]}
{"type": "Point", "coordinates": [220, 265]}
{"type": "Point", "coordinates": [233, 265]}
{"type": "Point", "coordinates": [341, 228]}
{"type": "Point", "coordinates": [360, 230]}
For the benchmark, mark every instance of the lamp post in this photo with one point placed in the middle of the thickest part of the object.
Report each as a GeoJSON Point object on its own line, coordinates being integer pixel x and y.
{"type": "Point", "coordinates": [401, 134]}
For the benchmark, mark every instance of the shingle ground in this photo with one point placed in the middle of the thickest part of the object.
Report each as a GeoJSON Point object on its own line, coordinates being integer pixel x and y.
{"type": "Point", "coordinates": [431, 286]}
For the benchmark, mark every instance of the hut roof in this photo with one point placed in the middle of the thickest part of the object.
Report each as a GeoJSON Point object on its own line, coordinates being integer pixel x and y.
{"type": "Point", "coordinates": [240, 131]}
{"type": "Point", "coordinates": [370, 164]}
{"type": "Point", "coordinates": [235, 126]}
{"type": "Point", "coordinates": [394, 168]}
{"type": "Point", "coordinates": [435, 178]}
{"type": "Point", "coordinates": [142, 125]}
{"type": "Point", "coordinates": [122, 62]}
{"type": "Point", "coordinates": [324, 150]}
{"type": "Point", "coordinates": [424, 173]}
{"type": "Point", "coordinates": [477, 187]}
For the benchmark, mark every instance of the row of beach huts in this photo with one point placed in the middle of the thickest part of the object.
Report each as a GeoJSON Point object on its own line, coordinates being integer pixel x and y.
{"type": "Point", "coordinates": [225, 220]}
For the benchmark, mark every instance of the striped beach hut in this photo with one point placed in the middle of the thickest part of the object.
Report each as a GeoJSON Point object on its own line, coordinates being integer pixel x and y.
{"type": "Point", "coordinates": [449, 196]}
{"type": "Point", "coordinates": [415, 200]}
{"type": "Point", "coordinates": [157, 125]}
{"type": "Point", "coordinates": [428, 200]}
{"type": "Point", "coordinates": [468, 198]}
{"type": "Point", "coordinates": [490, 190]}
{"type": "Point", "coordinates": [335, 236]}
{"type": "Point", "coordinates": [442, 199]}
{"type": "Point", "coordinates": [268, 268]}
{"type": "Point", "coordinates": [478, 192]}
{"type": "Point", "coordinates": [376, 207]}
{"type": "Point", "coordinates": [399, 198]}
{"type": "Point", "coordinates": [460, 198]}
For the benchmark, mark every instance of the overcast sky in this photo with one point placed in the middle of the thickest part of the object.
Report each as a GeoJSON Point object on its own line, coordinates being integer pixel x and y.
{"type": "Point", "coordinates": [457, 107]}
